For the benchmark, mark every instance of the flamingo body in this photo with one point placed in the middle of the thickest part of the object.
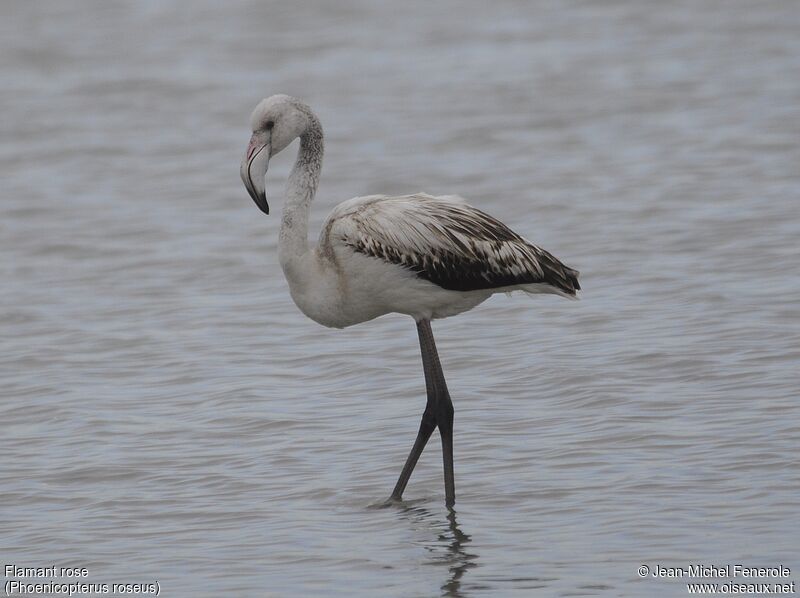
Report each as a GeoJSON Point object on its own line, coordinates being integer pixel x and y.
{"type": "Point", "coordinates": [424, 256]}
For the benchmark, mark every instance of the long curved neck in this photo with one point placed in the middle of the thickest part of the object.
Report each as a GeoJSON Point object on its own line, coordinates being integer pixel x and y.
{"type": "Point", "coordinates": [300, 190]}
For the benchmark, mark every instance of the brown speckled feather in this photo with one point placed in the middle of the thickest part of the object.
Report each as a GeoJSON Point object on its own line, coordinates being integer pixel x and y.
{"type": "Point", "coordinates": [448, 242]}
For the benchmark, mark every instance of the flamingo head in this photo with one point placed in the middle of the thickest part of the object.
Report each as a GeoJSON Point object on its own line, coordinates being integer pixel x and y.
{"type": "Point", "coordinates": [276, 122]}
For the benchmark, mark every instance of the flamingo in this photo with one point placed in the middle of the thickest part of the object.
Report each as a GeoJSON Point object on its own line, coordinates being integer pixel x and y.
{"type": "Point", "coordinates": [424, 256]}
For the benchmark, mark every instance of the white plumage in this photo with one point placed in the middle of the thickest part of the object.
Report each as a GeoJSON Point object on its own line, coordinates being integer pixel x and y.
{"type": "Point", "coordinates": [428, 257]}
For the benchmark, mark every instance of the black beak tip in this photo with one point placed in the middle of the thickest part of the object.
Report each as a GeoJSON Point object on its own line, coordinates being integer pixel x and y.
{"type": "Point", "coordinates": [261, 202]}
{"type": "Point", "coordinates": [260, 199]}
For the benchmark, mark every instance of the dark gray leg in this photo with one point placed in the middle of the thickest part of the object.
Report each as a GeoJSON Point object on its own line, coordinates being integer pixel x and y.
{"type": "Point", "coordinates": [438, 412]}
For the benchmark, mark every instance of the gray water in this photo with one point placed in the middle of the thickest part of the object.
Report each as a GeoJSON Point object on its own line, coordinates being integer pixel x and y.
{"type": "Point", "coordinates": [169, 415]}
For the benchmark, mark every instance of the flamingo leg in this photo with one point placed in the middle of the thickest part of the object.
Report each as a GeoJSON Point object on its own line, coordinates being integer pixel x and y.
{"type": "Point", "coordinates": [438, 413]}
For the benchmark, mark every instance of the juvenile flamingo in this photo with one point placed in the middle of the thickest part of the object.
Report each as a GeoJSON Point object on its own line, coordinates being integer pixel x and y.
{"type": "Point", "coordinates": [424, 256]}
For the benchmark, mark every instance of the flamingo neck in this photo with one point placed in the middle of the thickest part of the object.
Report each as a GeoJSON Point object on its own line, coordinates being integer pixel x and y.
{"type": "Point", "coordinates": [300, 191]}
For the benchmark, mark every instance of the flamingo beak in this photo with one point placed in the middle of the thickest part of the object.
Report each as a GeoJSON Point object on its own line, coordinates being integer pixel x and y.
{"type": "Point", "coordinates": [254, 168]}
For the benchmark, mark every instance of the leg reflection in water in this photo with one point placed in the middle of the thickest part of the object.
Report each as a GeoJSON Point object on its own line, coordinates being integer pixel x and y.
{"type": "Point", "coordinates": [447, 547]}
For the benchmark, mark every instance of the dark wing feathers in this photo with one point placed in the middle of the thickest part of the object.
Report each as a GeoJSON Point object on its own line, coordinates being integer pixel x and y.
{"type": "Point", "coordinates": [449, 243]}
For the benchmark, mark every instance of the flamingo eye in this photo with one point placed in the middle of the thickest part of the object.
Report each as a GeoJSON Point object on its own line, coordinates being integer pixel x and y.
{"type": "Point", "coordinates": [268, 125]}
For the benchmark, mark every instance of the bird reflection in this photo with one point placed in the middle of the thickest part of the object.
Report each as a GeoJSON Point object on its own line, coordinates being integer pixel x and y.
{"type": "Point", "coordinates": [447, 548]}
